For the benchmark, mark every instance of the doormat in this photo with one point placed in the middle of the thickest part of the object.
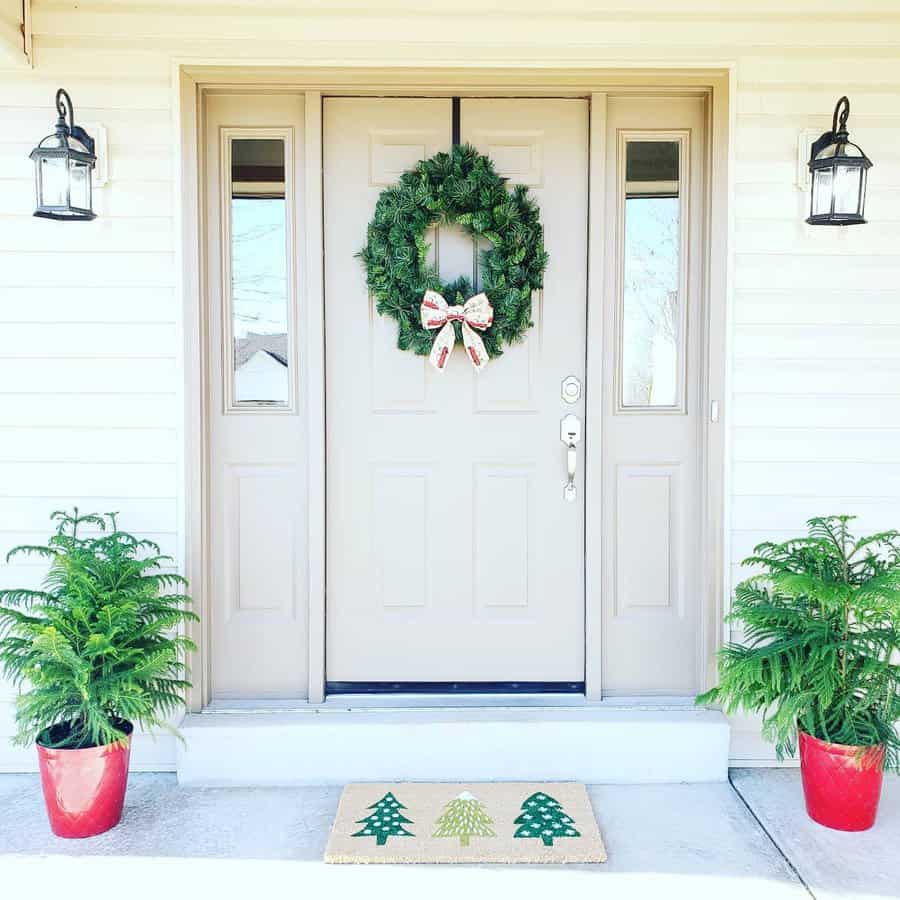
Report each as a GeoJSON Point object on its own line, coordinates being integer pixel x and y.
{"type": "Point", "coordinates": [501, 822]}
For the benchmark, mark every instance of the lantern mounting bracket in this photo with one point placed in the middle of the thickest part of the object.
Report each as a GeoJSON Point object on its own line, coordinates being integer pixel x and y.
{"type": "Point", "coordinates": [838, 133]}
{"type": "Point", "coordinates": [69, 128]}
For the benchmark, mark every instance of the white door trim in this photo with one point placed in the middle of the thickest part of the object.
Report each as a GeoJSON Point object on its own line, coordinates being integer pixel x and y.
{"type": "Point", "coordinates": [593, 412]}
{"type": "Point", "coordinates": [313, 369]}
{"type": "Point", "coordinates": [193, 78]}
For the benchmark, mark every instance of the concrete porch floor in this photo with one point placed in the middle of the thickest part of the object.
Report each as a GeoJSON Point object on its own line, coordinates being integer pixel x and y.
{"type": "Point", "coordinates": [746, 839]}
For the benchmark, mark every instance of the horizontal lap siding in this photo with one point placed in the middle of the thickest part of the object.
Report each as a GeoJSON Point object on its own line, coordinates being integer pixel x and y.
{"type": "Point", "coordinates": [815, 425]}
{"type": "Point", "coordinates": [816, 316]}
{"type": "Point", "coordinates": [89, 314]}
{"type": "Point", "coordinates": [89, 353]}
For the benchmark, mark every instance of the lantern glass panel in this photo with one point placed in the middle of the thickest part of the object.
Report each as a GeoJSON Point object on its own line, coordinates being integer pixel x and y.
{"type": "Point", "coordinates": [864, 175]}
{"type": "Point", "coordinates": [79, 184]}
{"type": "Point", "coordinates": [822, 192]}
{"type": "Point", "coordinates": [54, 181]}
{"type": "Point", "coordinates": [846, 189]}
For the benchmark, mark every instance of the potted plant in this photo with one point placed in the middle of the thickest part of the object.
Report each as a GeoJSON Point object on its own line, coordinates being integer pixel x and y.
{"type": "Point", "coordinates": [95, 652]}
{"type": "Point", "coordinates": [821, 623]}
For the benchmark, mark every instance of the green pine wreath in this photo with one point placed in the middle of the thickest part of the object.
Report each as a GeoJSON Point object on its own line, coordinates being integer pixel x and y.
{"type": "Point", "coordinates": [462, 188]}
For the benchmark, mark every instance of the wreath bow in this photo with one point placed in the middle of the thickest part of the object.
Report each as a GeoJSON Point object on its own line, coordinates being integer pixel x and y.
{"type": "Point", "coordinates": [476, 314]}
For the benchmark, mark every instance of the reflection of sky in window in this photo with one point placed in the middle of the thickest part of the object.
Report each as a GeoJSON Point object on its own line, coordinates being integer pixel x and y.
{"type": "Point", "coordinates": [258, 266]}
{"type": "Point", "coordinates": [650, 322]}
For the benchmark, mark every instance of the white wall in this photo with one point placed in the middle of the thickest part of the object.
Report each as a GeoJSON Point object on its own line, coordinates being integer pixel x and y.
{"type": "Point", "coordinates": [89, 347]}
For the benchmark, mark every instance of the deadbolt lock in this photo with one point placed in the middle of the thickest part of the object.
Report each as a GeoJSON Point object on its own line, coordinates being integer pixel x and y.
{"type": "Point", "coordinates": [571, 389]}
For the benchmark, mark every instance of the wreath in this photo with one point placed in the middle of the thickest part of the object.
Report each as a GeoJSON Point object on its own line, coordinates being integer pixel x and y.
{"type": "Point", "coordinates": [461, 188]}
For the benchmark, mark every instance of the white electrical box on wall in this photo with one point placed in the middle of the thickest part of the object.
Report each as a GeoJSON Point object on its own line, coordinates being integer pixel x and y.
{"type": "Point", "coordinates": [101, 150]}
{"type": "Point", "coordinates": [804, 146]}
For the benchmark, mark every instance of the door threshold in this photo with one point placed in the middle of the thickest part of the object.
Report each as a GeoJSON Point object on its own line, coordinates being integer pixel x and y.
{"type": "Point", "coordinates": [454, 687]}
{"type": "Point", "coordinates": [345, 702]}
{"type": "Point", "coordinates": [507, 701]}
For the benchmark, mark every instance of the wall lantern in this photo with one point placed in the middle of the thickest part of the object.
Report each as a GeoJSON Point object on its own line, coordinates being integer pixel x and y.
{"type": "Point", "coordinates": [838, 173]}
{"type": "Point", "coordinates": [62, 168]}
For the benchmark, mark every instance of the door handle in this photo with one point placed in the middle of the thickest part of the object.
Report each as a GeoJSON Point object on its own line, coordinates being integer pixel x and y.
{"type": "Point", "coordinates": [570, 435]}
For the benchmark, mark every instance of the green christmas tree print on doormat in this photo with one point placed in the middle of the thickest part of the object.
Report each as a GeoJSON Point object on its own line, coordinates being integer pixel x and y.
{"type": "Point", "coordinates": [387, 821]}
{"type": "Point", "coordinates": [543, 817]}
{"type": "Point", "coordinates": [464, 817]}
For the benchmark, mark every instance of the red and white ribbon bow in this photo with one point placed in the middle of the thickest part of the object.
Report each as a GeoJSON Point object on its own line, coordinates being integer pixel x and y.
{"type": "Point", "coordinates": [476, 314]}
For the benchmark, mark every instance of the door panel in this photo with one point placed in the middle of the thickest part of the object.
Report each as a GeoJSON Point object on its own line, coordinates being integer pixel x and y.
{"type": "Point", "coordinates": [651, 448]}
{"type": "Point", "coordinates": [452, 555]}
{"type": "Point", "coordinates": [258, 615]}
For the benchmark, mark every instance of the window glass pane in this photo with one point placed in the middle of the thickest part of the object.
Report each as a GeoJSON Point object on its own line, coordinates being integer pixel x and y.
{"type": "Point", "coordinates": [862, 193]}
{"type": "Point", "coordinates": [259, 284]}
{"type": "Point", "coordinates": [54, 180]}
{"type": "Point", "coordinates": [846, 189]}
{"type": "Point", "coordinates": [79, 184]}
{"type": "Point", "coordinates": [651, 313]}
{"type": "Point", "coordinates": [822, 191]}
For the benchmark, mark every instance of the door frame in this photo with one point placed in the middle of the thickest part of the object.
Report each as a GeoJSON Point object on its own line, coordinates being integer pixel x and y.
{"type": "Point", "coordinates": [193, 80]}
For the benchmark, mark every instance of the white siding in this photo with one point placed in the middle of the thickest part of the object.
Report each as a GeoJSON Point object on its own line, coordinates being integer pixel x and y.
{"type": "Point", "coordinates": [89, 314]}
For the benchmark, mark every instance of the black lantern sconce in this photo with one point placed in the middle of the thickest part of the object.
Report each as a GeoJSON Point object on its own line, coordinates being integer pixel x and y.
{"type": "Point", "coordinates": [838, 172]}
{"type": "Point", "coordinates": [63, 162]}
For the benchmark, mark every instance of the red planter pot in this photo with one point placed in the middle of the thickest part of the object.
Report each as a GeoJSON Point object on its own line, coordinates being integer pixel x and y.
{"type": "Point", "coordinates": [84, 790]}
{"type": "Point", "coordinates": [841, 784]}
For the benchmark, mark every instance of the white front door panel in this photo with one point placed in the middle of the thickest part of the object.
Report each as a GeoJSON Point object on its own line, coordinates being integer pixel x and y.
{"type": "Point", "coordinates": [452, 555]}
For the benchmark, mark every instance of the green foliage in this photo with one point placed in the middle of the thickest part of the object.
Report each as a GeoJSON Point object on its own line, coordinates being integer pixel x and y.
{"type": "Point", "coordinates": [822, 634]}
{"type": "Point", "coordinates": [460, 187]}
{"type": "Point", "coordinates": [99, 643]}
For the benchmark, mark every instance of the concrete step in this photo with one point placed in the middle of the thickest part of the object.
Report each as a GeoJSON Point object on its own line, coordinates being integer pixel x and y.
{"type": "Point", "coordinates": [334, 745]}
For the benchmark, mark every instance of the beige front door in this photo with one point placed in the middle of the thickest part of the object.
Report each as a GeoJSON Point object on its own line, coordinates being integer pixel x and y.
{"type": "Point", "coordinates": [452, 555]}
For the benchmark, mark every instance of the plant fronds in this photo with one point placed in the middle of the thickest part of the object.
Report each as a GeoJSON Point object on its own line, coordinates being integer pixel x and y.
{"type": "Point", "coordinates": [100, 642]}
{"type": "Point", "coordinates": [821, 650]}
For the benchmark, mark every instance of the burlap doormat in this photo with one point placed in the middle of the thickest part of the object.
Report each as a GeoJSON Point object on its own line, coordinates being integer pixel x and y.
{"type": "Point", "coordinates": [504, 822]}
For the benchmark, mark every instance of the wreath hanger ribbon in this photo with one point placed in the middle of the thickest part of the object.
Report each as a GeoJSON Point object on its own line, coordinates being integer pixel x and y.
{"type": "Point", "coordinates": [476, 314]}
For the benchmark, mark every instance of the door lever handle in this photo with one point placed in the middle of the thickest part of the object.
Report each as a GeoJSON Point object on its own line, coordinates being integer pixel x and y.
{"type": "Point", "coordinates": [570, 435]}
{"type": "Point", "coordinates": [572, 461]}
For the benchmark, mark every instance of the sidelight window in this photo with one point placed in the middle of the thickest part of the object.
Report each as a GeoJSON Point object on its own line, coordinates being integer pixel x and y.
{"type": "Point", "coordinates": [257, 265]}
{"type": "Point", "coordinates": [651, 348]}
